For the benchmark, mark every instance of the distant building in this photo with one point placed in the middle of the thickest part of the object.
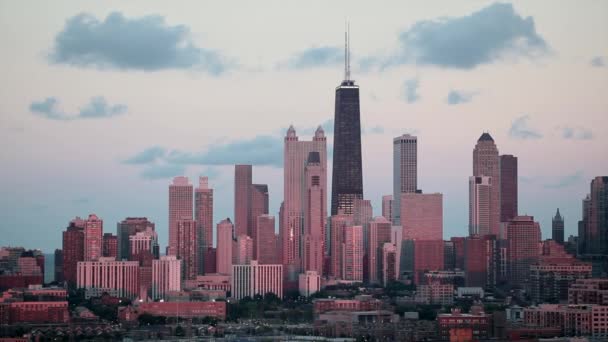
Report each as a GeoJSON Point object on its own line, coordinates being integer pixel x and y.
{"type": "Point", "coordinates": [486, 162]}
{"type": "Point", "coordinates": [242, 199]}
{"type": "Point", "coordinates": [436, 293]}
{"type": "Point", "coordinates": [254, 279]}
{"type": "Point", "coordinates": [73, 251]}
{"type": "Point", "coordinates": [389, 263]}
{"type": "Point", "coordinates": [405, 171]}
{"type": "Point", "coordinates": [477, 322]}
{"type": "Point", "coordinates": [259, 206]}
{"type": "Point", "coordinates": [127, 228]}
{"type": "Point", "coordinates": [203, 215]}
{"type": "Point", "coordinates": [244, 248]}
{"type": "Point", "coordinates": [508, 187]}
{"type": "Point", "coordinates": [574, 320]}
{"type": "Point", "coordinates": [315, 214]}
{"type": "Point", "coordinates": [523, 235]}
{"type": "Point", "coordinates": [480, 192]}
{"type": "Point", "coordinates": [338, 225]}
{"type": "Point", "coordinates": [422, 216]}
{"type": "Point", "coordinates": [481, 261]}
{"type": "Point", "coordinates": [58, 260]}
{"type": "Point", "coordinates": [166, 276]}
{"type": "Point", "coordinates": [353, 254]}
{"type": "Point", "coordinates": [224, 247]}
{"type": "Point", "coordinates": [117, 278]}
{"type": "Point", "coordinates": [387, 207]}
{"type": "Point", "coordinates": [180, 207]}
{"type": "Point", "coordinates": [38, 312]}
{"type": "Point", "coordinates": [589, 291]}
{"type": "Point", "coordinates": [187, 248]}
{"type": "Point", "coordinates": [422, 256]}
{"type": "Point", "coordinates": [379, 233]}
{"type": "Point", "coordinates": [309, 283]}
{"type": "Point", "coordinates": [93, 238]}
{"type": "Point", "coordinates": [266, 252]}
{"type": "Point", "coordinates": [557, 228]}
{"type": "Point", "coordinates": [186, 310]}
{"type": "Point", "coordinates": [110, 246]}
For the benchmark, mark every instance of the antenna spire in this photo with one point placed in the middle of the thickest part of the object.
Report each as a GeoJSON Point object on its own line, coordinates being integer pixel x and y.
{"type": "Point", "coordinates": [347, 53]}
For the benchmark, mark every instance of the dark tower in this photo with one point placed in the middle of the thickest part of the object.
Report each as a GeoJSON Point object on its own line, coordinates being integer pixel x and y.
{"type": "Point", "coordinates": [347, 177]}
{"type": "Point", "coordinates": [557, 228]}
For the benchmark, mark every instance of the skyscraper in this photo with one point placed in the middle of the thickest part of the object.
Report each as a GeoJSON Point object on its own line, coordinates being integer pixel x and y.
{"type": "Point", "coordinates": [242, 199]}
{"type": "Point", "coordinates": [187, 247]}
{"type": "Point", "coordinates": [480, 189]}
{"type": "Point", "coordinates": [73, 251]}
{"type": "Point", "coordinates": [595, 218]}
{"type": "Point", "coordinates": [166, 276]}
{"type": "Point", "coordinates": [259, 206]}
{"type": "Point", "coordinates": [557, 228]}
{"type": "Point", "coordinates": [486, 162]}
{"type": "Point", "coordinates": [265, 240]}
{"type": "Point", "coordinates": [244, 250]}
{"type": "Point", "coordinates": [315, 214]}
{"type": "Point", "coordinates": [387, 207]}
{"type": "Point", "coordinates": [523, 251]}
{"type": "Point", "coordinates": [110, 245]}
{"type": "Point", "coordinates": [224, 247]}
{"type": "Point", "coordinates": [180, 207]}
{"type": "Point", "coordinates": [203, 215]}
{"type": "Point", "coordinates": [353, 253]}
{"type": "Point", "coordinates": [347, 177]}
{"type": "Point", "coordinates": [422, 216]}
{"type": "Point", "coordinates": [93, 238]}
{"type": "Point", "coordinates": [405, 170]}
{"type": "Point", "coordinates": [508, 187]}
{"type": "Point", "coordinates": [292, 218]}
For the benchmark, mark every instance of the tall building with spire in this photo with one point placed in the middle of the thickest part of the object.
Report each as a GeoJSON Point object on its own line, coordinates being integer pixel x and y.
{"type": "Point", "coordinates": [486, 162]}
{"type": "Point", "coordinates": [557, 228]}
{"type": "Point", "coordinates": [291, 224]}
{"type": "Point", "coordinates": [347, 177]}
{"type": "Point", "coordinates": [315, 214]}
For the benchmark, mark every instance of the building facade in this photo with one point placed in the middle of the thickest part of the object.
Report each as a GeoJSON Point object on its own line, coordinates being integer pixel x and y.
{"type": "Point", "coordinates": [180, 208]}
{"type": "Point", "coordinates": [405, 171]}
{"type": "Point", "coordinates": [254, 279]}
{"type": "Point", "coordinates": [486, 162]}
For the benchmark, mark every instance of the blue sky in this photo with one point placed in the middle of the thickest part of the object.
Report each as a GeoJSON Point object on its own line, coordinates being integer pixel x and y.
{"type": "Point", "coordinates": [103, 102]}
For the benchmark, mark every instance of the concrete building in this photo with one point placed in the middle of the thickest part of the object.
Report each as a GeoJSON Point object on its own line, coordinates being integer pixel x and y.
{"type": "Point", "coordinates": [110, 246]}
{"type": "Point", "coordinates": [422, 256]}
{"type": "Point", "coordinates": [128, 227]}
{"type": "Point", "coordinates": [338, 225]}
{"type": "Point", "coordinates": [266, 247]}
{"type": "Point", "coordinates": [389, 263]}
{"type": "Point", "coordinates": [523, 235]}
{"type": "Point", "coordinates": [574, 320]}
{"type": "Point", "coordinates": [187, 248]}
{"type": "Point", "coordinates": [405, 171]}
{"type": "Point", "coordinates": [480, 192]}
{"type": "Point", "coordinates": [259, 206]}
{"type": "Point", "coordinates": [589, 291]}
{"type": "Point", "coordinates": [436, 293]}
{"type": "Point", "coordinates": [508, 187]}
{"type": "Point", "coordinates": [315, 214]}
{"type": "Point", "coordinates": [254, 279]}
{"type": "Point", "coordinates": [180, 208]}
{"type": "Point", "coordinates": [166, 276]}
{"type": "Point", "coordinates": [352, 260]}
{"type": "Point", "coordinates": [244, 250]}
{"type": "Point", "coordinates": [477, 322]}
{"type": "Point", "coordinates": [242, 199]}
{"type": "Point", "coordinates": [379, 233]}
{"type": "Point", "coordinates": [422, 216]}
{"type": "Point", "coordinates": [185, 310]}
{"type": "Point", "coordinates": [93, 238]}
{"type": "Point", "coordinates": [143, 241]}
{"type": "Point", "coordinates": [118, 278]}
{"type": "Point", "coordinates": [481, 261]}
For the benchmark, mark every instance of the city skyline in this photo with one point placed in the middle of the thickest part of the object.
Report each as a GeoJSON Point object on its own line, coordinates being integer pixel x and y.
{"type": "Point", "coordinates": [128, 178]}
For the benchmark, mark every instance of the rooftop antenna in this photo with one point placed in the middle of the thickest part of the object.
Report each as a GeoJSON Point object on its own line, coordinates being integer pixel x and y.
{"type": "Point", "coordinates": [347, 53]}
{"type": "Point", "coordinates": [345, 50]}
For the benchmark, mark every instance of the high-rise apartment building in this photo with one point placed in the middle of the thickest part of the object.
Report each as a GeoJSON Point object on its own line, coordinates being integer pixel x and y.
{"type": "Point", "coordinates": [508, 187]}
{"type": "Point", "coordinates": [93, 238]}
{"type": "Point", "coordinates": [144, 241]}
{"type": "Point", "coordinates": [73, 251]}
{"type": "Point", "coordinates": [203, 215]}
{"type": "Point", "coordinates": [291, 220]}
{"type": "Point", "coordinates": [187, 247]}
{"type": "Point", "coordinates": [266, 251]}
{"type": "Point", "coordinates": [117, 278]}
{"type": "Point", "coordinates": [405, 170]}
{"type": "Point", "coordinates": [166, 276]}
{"type": "Point", "coordinates": [353, 251]}
{"type": "Point", "coordinates": [338, 224]}
{"type": "Point", "coordinates": [480, 193]}
{"type": "Point", "coordinates": [242, 199]}
{"type": "Point", "coordinates": [593, 230]}
{"type": "Point", "coordinates": [244, 250]}
{"type": "Point", "coordinates": [422, 216]}
{"type": "Point", "coordinates": [481, 261]}
{"type": "Point", "coordinates": [347, 177]}
{"type": "Point", "coordinates": [557, 228]}
{"type": "Point", "coordinates": [255, 279]}
{"type": "Point", "coordinates": [379, 233]}
{"type": "Point", "coordinates": [224, 247]}
{"type": "Point", "coordinates": [389, 263]}
{"type": "Point", "coordinates": [180, 208]}
{"type": "Point", "coordinates": [523, 236]}
{"type": "Point", "coordinates": [486, 162]}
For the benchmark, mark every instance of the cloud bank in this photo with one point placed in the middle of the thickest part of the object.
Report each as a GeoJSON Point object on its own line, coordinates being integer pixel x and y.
{"type": "Point", "coordinates": [521, 130]}
{"type": "Point", "coordinates": [117, 42]}
{"type": "Point", "coordinates": [97, 108]}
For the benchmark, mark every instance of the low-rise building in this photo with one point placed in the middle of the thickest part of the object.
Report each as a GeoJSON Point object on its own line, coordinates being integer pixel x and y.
{"type": "Point", "coordinates": [573, 320]}
{"type": "Point", "coordinates": [359, 303]}
{"type": "Point", "coordinates": [184, 309]}
{"type": "Point", "coordinates": [589, 291]}
{"type": "Point", "coordinates": [442, 294]}
{"type": "Point", "coordinates": [456, 323]}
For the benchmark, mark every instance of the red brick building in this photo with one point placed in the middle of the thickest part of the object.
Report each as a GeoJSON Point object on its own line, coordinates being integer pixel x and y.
{"type": "Point", "coordinates": [38, 312]}
{"type": "Point", "coordinates": [184, 309]}
{"type": "Point", "coordinates": [479, 322]}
